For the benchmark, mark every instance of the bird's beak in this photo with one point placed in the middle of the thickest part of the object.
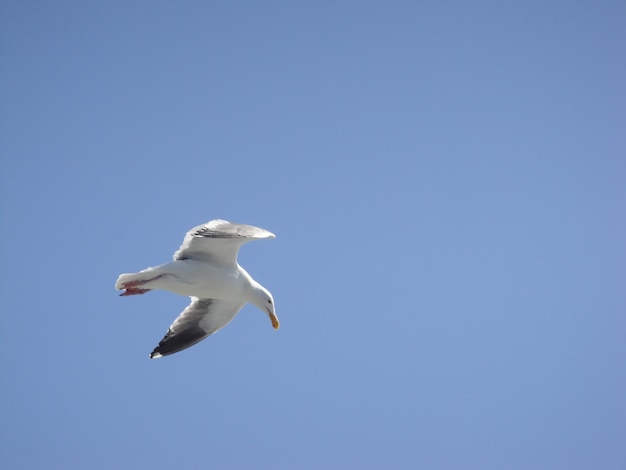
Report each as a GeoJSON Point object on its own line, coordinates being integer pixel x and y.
{"type": "Point", "coordinates": [274, 319]}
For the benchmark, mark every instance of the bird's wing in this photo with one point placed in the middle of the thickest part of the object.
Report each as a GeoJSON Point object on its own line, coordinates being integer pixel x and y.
{"type": "Point", "coordinates": [200, 319]}
{"type": "Point", "coordinates": [218, 241]}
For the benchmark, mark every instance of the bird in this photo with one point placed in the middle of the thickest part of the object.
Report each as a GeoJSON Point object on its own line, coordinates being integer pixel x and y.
{"type": "Point", "coordinates": [205, 268]}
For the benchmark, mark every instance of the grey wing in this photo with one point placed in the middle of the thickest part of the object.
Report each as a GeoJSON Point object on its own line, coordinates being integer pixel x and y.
{"type": "Point", "coordinates": [218, 241]}
{"type": "Point", "coordinates": [201, 318]}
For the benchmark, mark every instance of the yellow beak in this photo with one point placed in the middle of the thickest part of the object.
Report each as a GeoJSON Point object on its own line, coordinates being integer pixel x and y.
{"type": "Point", "coordinates": [274, 318]}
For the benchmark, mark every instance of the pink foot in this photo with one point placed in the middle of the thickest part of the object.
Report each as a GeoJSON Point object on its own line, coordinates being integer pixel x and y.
{"type": "Point", "coordinates": [134, 291]}
{"type": "Point", "coordinates": [141, 282]}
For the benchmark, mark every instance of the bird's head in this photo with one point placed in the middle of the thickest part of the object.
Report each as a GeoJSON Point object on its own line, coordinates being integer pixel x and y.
{"type": "Point", "coordinates": [264, 300]}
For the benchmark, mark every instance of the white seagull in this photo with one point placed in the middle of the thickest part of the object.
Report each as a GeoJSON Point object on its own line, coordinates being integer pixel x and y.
{"type": "Point", "coordinates": [205, 268]}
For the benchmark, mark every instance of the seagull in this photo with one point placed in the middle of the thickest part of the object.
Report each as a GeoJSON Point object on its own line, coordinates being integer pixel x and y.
{"type": "Point", "coordinates": [205, 268]}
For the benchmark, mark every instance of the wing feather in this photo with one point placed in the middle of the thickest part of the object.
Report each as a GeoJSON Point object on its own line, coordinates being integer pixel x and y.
{"type": "Point", "coordinates": [218, 241]}
{"type": "Point", "coordinates": [201, 318]}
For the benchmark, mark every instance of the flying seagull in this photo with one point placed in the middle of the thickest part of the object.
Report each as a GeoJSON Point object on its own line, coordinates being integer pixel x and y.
{"type": "Point", "coordinates": [205, 268]}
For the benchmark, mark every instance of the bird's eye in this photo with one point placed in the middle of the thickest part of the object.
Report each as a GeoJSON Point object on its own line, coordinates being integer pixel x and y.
{"type": "Point", "coordinates": [269, 301]}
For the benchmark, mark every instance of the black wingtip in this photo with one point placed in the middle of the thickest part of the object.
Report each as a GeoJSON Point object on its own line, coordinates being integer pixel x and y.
{"type": "Point", "coordinates": [175, 342]}
{"type": "Point", "coordinates": [155, 354]}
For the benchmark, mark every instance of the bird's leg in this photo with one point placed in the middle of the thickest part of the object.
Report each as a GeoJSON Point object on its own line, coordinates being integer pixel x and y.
{"type": "Point", "coordinates": [133, 289]}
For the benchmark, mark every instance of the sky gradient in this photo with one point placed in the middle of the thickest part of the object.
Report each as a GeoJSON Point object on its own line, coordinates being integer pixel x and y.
{"type": "Point", "coordinates": [446, 183]}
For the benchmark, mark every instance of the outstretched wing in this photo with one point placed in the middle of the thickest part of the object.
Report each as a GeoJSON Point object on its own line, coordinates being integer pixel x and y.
{"type": "Point", "coordinates": [201, 318]}
{"type": "Point", "coordinates": [218, 241]}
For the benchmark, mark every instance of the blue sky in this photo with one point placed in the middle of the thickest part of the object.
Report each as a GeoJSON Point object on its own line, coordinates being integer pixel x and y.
{"type": "Point", "coordinates": [446, 183]}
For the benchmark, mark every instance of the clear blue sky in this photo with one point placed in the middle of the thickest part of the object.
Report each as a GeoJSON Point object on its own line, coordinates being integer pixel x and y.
{"type": "Point", "coordinates": [446, 181]}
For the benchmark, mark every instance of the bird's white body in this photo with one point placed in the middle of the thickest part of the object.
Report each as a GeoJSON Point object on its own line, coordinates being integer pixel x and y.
{"type": "Point", "coordinates": [193, 278]}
